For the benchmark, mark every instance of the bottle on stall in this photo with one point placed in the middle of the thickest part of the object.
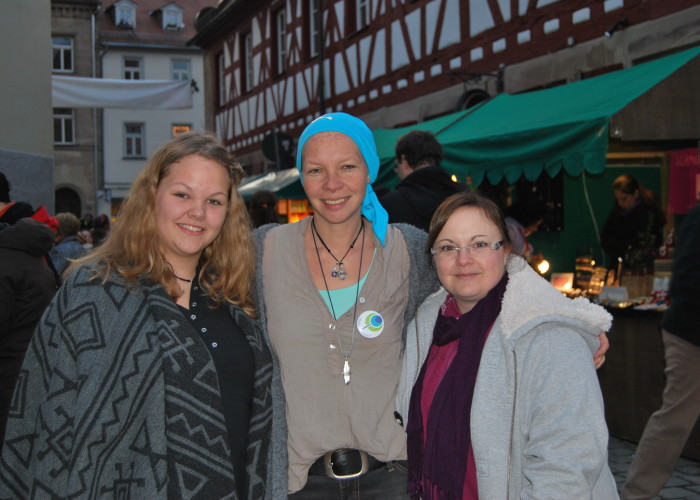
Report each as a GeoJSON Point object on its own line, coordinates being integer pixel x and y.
{"type": "Point", "coordinates": [583, 268]}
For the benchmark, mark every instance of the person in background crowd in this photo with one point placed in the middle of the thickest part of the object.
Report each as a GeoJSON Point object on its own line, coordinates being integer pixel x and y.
{"type": "Point", "coordinates": [11, 211]}
{"type": "Point", "coordinates": [263, 208]}
{"type": "Point", "coordinates": [424, 183]}
{"type": "Point", "coordinates": [668, 428]}
{"type": "Point", "coordinates": [148, 359]}
{"type": "Point", "coordinates": [523, 219]}
{"type": "Point", "coordinates": [100, 229]}
{"type": "Point", "coordinates": [633, 228]}
{"type": "Point", "coordinates": [26, 288]}
{"type": "Point", "coordinates": [42, 215]}
{"type": "Point", "coordinates": [85, 239]}
{"type": "Point", "coordinates": [87, 222]}
{"type": "Point", "coordinates": [507, 402]}
{"type": "Point", "coordinates": [67, 248]}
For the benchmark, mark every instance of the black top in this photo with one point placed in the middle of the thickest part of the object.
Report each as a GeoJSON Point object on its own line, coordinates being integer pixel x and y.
{"type": "Point", "coordinates": [235, 369]}
{"type": "Point", "coordinates": [415, 199]}
{"type": "Point", "coordinates": [635, 235]}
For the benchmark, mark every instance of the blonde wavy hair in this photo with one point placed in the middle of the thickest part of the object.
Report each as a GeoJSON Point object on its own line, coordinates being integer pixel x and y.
{"type": "Point", "coordinates": [133, 249]}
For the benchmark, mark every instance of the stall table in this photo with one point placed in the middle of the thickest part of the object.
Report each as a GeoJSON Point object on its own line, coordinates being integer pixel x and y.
{"type": "Point", "coordinates": [632, 379]}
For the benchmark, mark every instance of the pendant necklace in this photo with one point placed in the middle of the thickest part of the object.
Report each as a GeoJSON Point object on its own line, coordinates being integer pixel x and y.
{"type": "Point", "coordinates": [182, 279]}
{"type": "Point", "coordinates": [337, 271]}
{"type": "Point", "coordinates": [314, 233]}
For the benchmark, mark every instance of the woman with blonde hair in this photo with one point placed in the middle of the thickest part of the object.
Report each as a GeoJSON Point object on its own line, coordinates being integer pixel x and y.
{"type": "Point", "coordinates": [147, 376]}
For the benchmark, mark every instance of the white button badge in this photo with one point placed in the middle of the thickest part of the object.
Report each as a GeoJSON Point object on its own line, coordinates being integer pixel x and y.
{"type": "Point", "coordinates": [370, 324]}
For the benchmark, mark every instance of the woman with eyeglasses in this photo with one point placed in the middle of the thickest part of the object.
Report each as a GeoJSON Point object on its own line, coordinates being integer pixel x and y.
{"type": "Point", "coordinates": [498, 383]}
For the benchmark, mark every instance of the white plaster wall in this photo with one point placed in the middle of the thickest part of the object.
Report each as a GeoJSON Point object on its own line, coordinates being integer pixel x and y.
{"type": "Point", "coordinates": [25, 81]}
{"type": "Point", "coordinates": [119, 173]}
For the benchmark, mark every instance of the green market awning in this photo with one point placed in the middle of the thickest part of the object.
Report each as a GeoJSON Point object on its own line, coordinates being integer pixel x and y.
{"type": "Point", "coordinates": [285, 184]}
{"type": "Point", "coordinates": [510, 136]}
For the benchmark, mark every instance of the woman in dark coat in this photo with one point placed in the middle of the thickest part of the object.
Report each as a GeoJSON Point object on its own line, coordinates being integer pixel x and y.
{"type": "Point", "coordinates": [633, 228]}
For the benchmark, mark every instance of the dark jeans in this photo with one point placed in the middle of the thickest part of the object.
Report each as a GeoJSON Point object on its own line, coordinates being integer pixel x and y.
{"type": "Point", "coordinates": [386, 483]}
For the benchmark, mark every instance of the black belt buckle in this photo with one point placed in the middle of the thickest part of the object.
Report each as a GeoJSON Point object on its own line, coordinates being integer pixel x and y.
{"type": "Point", "coordinates": [343, 464]}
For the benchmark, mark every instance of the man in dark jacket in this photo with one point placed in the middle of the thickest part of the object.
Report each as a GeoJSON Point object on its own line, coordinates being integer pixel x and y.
{"type": "Point", "coordinates": [26, 288]}
{"type": "Point", "coordinates": [424, 183]}
{"type": "Point", "coordinates": [669, 427]}
{"type": "Point", "coordinates": [11, 211]}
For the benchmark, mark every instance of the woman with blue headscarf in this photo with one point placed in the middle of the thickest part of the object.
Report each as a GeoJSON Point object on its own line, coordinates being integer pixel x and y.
{"type": "Point", "coordinates": [336, 292]}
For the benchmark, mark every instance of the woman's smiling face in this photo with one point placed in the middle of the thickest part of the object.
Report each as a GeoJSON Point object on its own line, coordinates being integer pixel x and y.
{"type": "Point", "coordinates": [467, 276]}
{"type": "Point", "coordinates": [190, 207]}
{"type": "Point", "coordinates": [335, 176]}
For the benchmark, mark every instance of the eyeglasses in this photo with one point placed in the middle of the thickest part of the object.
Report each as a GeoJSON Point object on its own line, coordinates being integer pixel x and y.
{"type": "Point", "coordinates": [479, 248]}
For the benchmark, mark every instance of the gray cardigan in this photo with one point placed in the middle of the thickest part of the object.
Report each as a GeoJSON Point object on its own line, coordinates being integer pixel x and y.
{"type": "Point", "coordinates": [537, 414]}
{"type": "Point", "coordinates": [422, 282]}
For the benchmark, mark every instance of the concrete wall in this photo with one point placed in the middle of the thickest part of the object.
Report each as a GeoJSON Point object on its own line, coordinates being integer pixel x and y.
{"type": "Point", "coordinates": [26, 136]}
{"type": "Point", "coordinates": [25, 35]}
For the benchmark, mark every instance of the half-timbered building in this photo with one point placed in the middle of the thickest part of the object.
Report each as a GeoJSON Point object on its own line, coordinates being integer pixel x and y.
{"type": "Point", "coordinates": [272, 66]}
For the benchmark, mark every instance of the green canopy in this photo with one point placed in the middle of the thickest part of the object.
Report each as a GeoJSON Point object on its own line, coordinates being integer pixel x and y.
{"type": "Point", "coordinates": [285, 184]}
{"type": "Point", "coordinates": [525, 134]}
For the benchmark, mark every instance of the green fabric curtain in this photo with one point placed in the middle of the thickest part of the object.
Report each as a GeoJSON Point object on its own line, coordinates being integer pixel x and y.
{"type": "Point", "coordinates": [509, 136]}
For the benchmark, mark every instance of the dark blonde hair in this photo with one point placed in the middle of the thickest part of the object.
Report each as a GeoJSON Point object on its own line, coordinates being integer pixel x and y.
{"type": "Point", "coordinates": [133, 249]}
{"type": "Point", "coordinates": [467, 199]}
{"type": "Point", "coordinates": [68, 224]}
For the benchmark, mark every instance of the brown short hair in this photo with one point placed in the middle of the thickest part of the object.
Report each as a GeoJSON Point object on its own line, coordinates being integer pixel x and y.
{"type": "Point", "coordinates": [132, 248]}
{"type": "Point", "coordinates": [467, 199]}
{"type": "Point", "coordinates": [68, 224]}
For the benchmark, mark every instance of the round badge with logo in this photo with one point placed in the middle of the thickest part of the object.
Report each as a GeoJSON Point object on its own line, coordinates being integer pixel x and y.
{"type": "Point", "coordinates": [370, 324]}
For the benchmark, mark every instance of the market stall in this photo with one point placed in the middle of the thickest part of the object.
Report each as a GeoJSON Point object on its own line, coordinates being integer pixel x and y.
{"type": "Point", "coordinates": [632, 378]}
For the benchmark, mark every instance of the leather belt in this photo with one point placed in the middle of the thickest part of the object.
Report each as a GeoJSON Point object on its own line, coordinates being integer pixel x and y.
{"type": "Point", "coordinates": [344, 464]}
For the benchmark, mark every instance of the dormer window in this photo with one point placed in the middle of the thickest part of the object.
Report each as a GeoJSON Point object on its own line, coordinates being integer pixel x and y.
{"type": "Point", "coordinates": [170, 17]}
{"type": "Point", "coordinates": [125, 14]}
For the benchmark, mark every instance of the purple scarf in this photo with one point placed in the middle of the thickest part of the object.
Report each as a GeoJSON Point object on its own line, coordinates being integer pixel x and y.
{"type": "Point", "coordinates": [442, 459]}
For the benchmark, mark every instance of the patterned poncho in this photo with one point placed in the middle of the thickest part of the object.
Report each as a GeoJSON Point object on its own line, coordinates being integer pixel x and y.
{"type": "Point", "coordinates": [119, 398]}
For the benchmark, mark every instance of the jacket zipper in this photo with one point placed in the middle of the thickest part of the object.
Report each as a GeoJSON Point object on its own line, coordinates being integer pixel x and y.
{"type": "Point", "coordinates": [512, 424]}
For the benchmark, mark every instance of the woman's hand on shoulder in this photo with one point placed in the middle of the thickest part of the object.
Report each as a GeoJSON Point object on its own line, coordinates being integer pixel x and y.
{"type": "Point", "coordinates": [599, 356]}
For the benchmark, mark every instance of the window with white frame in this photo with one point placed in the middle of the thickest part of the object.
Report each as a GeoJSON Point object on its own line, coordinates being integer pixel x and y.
{"type": "Point", "coordinates": [125, 14]}
{"type": "Point", "coordinates": [221, 78]}
{"type": "Point", "coordinates": [133, 140]}
{"type": "Point", "coordinates": [63, 126]}
{"type": "Point", "coordinates": [314, 27]}
{"type": "Point", "coordinates": [362, 13]}
{"type": "Point", "coordinates": [172, 18]}
{"type": "Point", "coordinates": [62, 48]}
{"type": "Point", "coordinates": [180, 69]}
{"type": "Point", "coordinates": [133, 68]}
{"type": "Point", "coordinates": [248, 60]}
{"type": "Point", "coordinates": [281, 42]}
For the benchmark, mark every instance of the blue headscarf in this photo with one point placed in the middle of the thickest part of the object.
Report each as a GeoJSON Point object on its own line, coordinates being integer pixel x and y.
{"type": "Point", "coordinates": [362, 136]}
